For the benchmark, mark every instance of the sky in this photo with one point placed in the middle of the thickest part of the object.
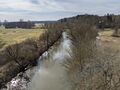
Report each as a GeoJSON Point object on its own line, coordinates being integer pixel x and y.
{"type": "Point", "coordinates": [40, 10]}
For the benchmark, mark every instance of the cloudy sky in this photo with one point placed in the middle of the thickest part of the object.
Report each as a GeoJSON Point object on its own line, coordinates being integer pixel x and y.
{"type": "Point", "coordinates": [13, 10]}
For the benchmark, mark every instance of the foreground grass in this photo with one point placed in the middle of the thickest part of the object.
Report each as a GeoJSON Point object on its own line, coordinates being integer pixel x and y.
{"type": "Point", "coordinates": [11, 36]}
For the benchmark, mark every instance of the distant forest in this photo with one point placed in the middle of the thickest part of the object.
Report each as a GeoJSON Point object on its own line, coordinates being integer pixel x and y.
{"type": "Point", "coordinates": [106, 21]}
{"type": "Point", "coordinates": [22, 24]}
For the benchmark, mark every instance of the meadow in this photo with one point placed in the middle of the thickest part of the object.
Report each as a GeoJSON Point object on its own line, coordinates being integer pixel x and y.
{"type": "Point", "coordinates": [107, 39]}
{"type": "Point", "coordinates": [12, 36]}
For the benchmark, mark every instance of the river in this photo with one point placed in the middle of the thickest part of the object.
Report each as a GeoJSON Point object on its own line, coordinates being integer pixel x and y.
{"type": "Point", "coordinates": [49, 74]}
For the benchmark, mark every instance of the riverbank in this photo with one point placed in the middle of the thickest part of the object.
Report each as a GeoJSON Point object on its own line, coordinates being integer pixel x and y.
{"type": "Point", "coordinates": [49, 68]}
{"type": "Point", "coordinates": [25, 54]}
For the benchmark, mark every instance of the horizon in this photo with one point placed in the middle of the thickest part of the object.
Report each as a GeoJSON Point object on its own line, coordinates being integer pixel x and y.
{"type": "Point", "coordinates": [52, 10]}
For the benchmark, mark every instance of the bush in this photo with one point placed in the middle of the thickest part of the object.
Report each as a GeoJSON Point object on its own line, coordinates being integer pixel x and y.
{"type": "Point", "coordinates": [91, 67]}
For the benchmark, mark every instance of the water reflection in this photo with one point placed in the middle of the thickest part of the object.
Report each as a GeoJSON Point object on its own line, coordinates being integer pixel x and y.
{"type": "Point", "coordinates": [51, 75]}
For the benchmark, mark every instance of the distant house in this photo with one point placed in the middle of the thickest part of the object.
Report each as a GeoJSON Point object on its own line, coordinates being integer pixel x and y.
{"type": "Point", "coordinates": [26, 25]}
{"type": "Point", "coordinates": [39, 25]}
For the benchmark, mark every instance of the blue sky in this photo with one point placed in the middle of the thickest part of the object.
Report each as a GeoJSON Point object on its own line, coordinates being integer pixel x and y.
{"type": "Point", "coordinates": [13, 10]}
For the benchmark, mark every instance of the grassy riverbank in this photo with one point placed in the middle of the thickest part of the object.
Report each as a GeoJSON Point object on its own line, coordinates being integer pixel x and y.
{"type": "Point", "coordinates": [95, 65]}
{"type": "Point", "coordinates": [17, 57]}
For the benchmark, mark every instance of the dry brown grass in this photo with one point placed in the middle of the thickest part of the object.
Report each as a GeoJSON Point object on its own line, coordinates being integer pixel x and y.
{"type": "Point", "coordinates": [12, 36]}
{"type": "Point", "coordinates": [107, 40]}
{"type": "Point", "coordinates": [91, 66]}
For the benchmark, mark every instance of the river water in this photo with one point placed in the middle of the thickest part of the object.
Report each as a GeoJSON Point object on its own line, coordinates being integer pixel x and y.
{"type": "Point", "coordinates": [49, 74]}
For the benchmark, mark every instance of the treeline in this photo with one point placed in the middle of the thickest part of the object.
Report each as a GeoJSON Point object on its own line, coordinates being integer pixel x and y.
{"type": "Point", "coordinates": [21, 24]}
{"type": "Point", "coordinates": [109, 21]}
{"type": "Point", "coordinates": [106, 21]}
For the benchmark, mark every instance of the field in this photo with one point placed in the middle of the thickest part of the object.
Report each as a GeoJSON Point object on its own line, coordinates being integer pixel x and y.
{"type": "Point", "coordinates": [11, 36]}
{"type": "Point", "coordinates": [108, 40]}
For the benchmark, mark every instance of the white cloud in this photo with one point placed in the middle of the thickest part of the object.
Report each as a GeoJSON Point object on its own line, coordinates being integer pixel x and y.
{"type": "Point", "coordinates": [36, 9]}
{"type": "Point", "coordinates": [43, 6]}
